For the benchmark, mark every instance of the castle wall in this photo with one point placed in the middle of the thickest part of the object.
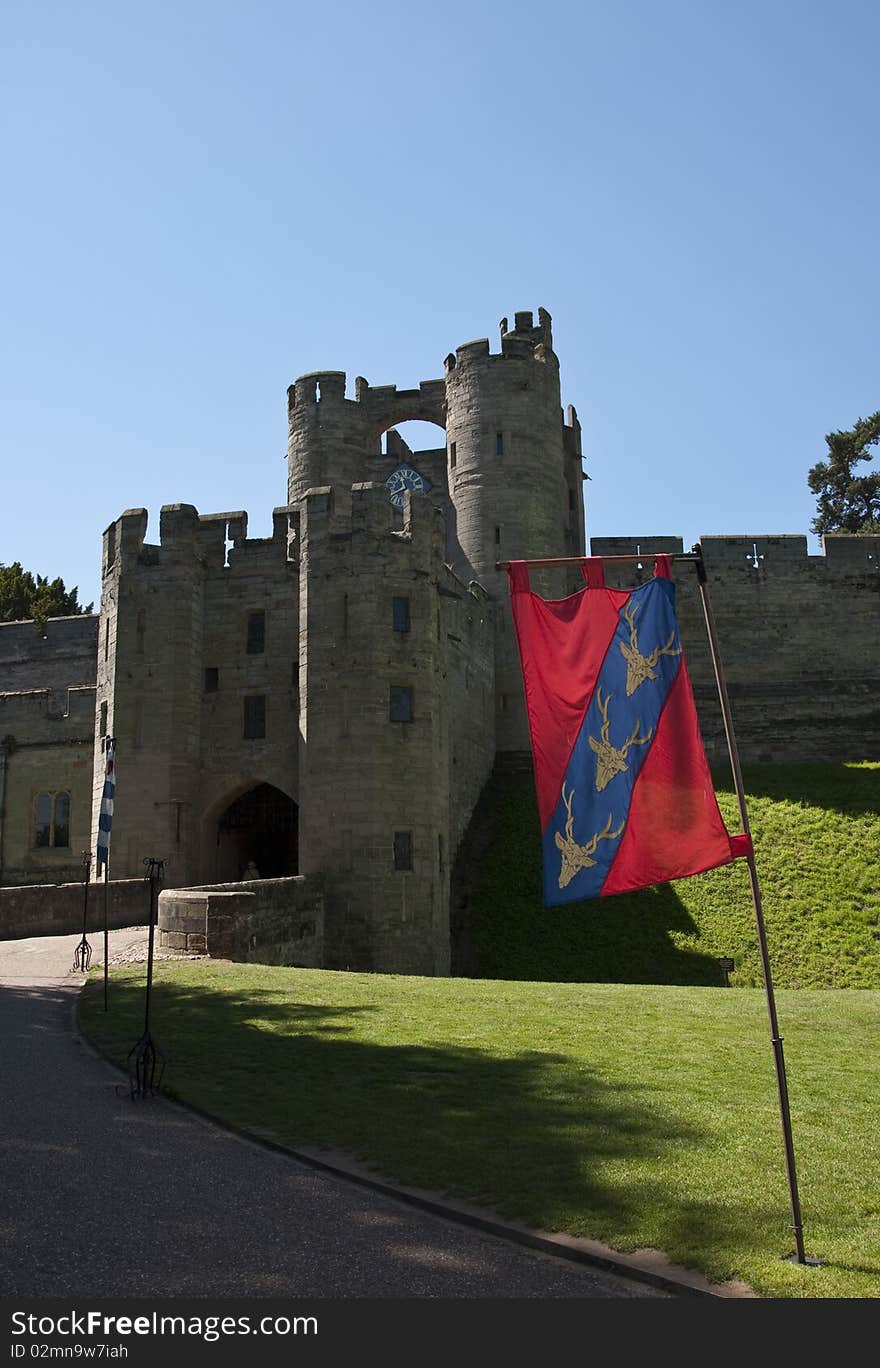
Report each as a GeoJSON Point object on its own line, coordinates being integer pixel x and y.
{"type": "Point", "coordinates": [370, 781]}
{"type": "Point", "coordinates": [44, 750]}
{"type": "Point", "coordinates": [799, 637]}
{"type": "Point", "coordinates": [169, 613]}
{"type": "Point", "coordinates": [57, 658]}
{"type": "Point", "coordinates": [51, 909]}
{"type": "Point", "coordinates": [267, 921]}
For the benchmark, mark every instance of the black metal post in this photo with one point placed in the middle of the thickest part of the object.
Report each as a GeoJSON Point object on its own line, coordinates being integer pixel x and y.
{"type": "Point", "coordinates": [779, 1059]}
{"type": "Point", "coordinates": [145, 1057]}
{"type": "Point", "coordinates": [83, 954]}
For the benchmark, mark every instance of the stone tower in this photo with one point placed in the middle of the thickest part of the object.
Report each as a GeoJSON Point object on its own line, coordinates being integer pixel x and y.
{"type": "Point", "coordinates": [514, 479]}
{"type": "Point", "coordinates": [509, 479]}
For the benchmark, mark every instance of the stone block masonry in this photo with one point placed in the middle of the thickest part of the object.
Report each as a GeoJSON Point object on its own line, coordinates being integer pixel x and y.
{"type": "Point", "coordinates": [330, 701]}
{"type": "Point", "coordinates": [799, 637]}
{"type": "Point", "coordinates": [269, 921]}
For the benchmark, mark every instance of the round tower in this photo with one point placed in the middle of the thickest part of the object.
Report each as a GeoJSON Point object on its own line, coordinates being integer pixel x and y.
{"type": "Point", "coordinates": [507, 479]}
{"type": "Point", "coordinates": [326, 440]}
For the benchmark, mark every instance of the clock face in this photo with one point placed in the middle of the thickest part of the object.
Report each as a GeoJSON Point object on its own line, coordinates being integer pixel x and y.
{"type": "Point", "coordinates": [404, 477]}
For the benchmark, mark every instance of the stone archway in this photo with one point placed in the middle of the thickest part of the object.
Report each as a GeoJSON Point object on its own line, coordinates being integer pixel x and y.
{"type": "Point", "coordinates": [258, 831]}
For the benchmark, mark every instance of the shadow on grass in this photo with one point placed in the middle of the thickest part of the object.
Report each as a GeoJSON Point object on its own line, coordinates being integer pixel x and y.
{"type": "Point", "coordinates": [848, 789]}
{"type": "Point", "coordinates": [533, 1136]}
{"type": "Point", "coordinates": [511, 935]}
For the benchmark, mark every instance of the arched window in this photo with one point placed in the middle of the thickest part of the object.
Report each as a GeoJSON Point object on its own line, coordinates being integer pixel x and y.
{"type": "Point", "coordinates": [43, 820]}
{"type": "Point", "coordinates": [52, 820]}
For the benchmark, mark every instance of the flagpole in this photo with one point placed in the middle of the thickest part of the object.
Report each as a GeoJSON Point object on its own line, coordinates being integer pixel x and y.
{"type": "Point", "coordinates": [106, 919]}
{"type": "Point", "coordinates": [696, 557]}
{"type": "Point", "coordinates": [776, 1038]}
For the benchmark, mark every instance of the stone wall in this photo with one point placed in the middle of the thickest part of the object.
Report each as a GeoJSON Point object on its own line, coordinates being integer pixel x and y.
{"type": "Point", "coordinates": [60, 656]}
{"type": "Point", "coordinates": [46, 750]}
{"type": "Point", "coordinates": [266, 921]}
{"type": "Point", "coordinates": [799, 638]}
{"type": "Point", "coordinates": [173, 675]}
{"type": "Point", "coordinates": [57, 909]}
{"type": "Point", "coordinates": [372, 782]}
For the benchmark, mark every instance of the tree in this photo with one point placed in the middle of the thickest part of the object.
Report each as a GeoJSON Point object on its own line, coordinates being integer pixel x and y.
{"type": "Point", "coordinates": [848, 502]}
{"type": "Point", "coordinates": [22, 596]}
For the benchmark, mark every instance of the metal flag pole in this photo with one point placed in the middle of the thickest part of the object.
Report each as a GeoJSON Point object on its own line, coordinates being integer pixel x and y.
{"type": "Point", "coordinates": [106, 922]}
{"type": "Point", "coordinates": [696, 557]}
{"type": "Point", "coordinates": [145, 1056]}
{"type": "Point", "coordinates": [776, 1039]}
{"type": "Point", "coordinates": [83, 954]}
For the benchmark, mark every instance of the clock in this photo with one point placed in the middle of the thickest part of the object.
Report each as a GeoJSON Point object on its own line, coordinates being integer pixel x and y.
{"type": "Point", "coordinates": [405, 477]}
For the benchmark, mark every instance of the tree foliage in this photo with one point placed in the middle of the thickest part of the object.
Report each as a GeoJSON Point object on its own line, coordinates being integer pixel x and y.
{"type": "Point", "coordinates": [24, 596]}
{"type": "Point", "coordinates": [848, 502]}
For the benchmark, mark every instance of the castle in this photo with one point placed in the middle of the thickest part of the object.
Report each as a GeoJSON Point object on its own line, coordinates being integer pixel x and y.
{"type": "Point", "coordinates": [329, 702]}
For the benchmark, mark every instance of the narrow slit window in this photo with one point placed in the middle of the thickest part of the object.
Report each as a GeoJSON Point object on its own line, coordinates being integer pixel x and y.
{"type": "Point", "coordinates": [256, 633]}
{"type": "Point", "coordinates": [400, 614]}
{"type": "Point", "coordinates": [212, 678]}
{"type": "Point", "coordinates": [401, 703]}
{"type": "Point", "coordinates": [499, 443]}
{"type": "Point", "coordinates": [255, 717]}
{"type": "Point", "coordinates": [403, 856]}
{"type": "Point", "coordinates": [102, 723]}
{"type": "Point", "coordinates": [452, 454]}
{"type": "Point", "coordinates": [497, 536]}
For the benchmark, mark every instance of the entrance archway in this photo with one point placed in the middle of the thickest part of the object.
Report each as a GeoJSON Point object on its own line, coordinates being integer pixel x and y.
{"type": "Point", "coordinates": [257, 836]}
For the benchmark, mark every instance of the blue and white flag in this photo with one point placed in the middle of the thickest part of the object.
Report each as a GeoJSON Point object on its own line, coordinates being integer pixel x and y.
{"type": "Point", "coordinates": [105, 820]}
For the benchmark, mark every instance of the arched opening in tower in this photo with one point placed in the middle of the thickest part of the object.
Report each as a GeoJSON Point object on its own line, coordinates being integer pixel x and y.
{"type": "Point", "coordinates": [413, 455]}
{"type": "Point", "coordinates": [257, 836]}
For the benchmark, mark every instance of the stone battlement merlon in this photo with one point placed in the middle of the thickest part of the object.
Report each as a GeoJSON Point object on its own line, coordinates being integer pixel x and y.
{"type": "Point", "coordinates": [67, 713]}
{"type": "Point", "coordinates": [184, 533]}
{"type": "Point", "coordinates": [840, 553]}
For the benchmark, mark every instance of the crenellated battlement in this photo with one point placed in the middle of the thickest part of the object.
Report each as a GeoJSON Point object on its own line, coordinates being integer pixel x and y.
{"type": "Point", "coordinates": [41, 715]}
{"type": "Point", "coordinates": [760, 553]}
{"type": "Point", "coordinates": [214, 541]}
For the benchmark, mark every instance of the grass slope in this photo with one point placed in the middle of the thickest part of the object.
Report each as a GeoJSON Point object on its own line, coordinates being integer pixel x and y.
{"type": "Point", "coordinates": [642, 1116]}
{"type": "Point", "coordinates": [817, 844]}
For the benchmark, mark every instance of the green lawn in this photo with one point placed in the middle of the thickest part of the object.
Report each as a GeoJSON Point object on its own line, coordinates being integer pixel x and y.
{"type": "Point", "coordinates": [641, 1116]}
{"type": "Point", "coordinates": [817, 846]}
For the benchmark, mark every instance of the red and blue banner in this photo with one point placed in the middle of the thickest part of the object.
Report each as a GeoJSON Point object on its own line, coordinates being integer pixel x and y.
{"type": "Point", "coordinates": [625, 796]}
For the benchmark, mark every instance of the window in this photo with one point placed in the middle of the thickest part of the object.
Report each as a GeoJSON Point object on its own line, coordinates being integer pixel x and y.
{"type": "Point", "coordinates": [256, 633]}
{"type": "Point", "coordinates": [499, 443]}
{"type": "Point", "coordinates": [255, 717]}
{"type": "Point", "coordinates": [400, 614]}
{"type": "Point", "coordinates": [52, 820]}
{"type": "Point", "coordinates": [401, 704]}
{"type": "Point", "coordinates": [61, 833]}
{"type": "Point", "coordinates": [452, 454]}
{"type": "Point", "coordinates": [497, 535]}
{"type": "Point", "coordinates": [102, 724]}
{"type": "Point", "coordinates": [212, 679]}
{"type": "Point", "coordinates": [43, 820]}
{"type": "Point", "coordinates": [403, 850]}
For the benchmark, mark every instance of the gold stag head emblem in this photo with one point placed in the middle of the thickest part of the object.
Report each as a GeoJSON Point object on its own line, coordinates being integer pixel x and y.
{"type": "Point", "coordinates": [611, 760]}
{"type": "Point", "coordinates": [577, 857]}
{"type": "Point", "coordinates": [639, 667]}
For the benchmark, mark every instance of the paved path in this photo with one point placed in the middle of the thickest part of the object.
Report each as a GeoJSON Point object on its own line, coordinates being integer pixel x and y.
{"type": "Point", "coordinates": [103, 1196]}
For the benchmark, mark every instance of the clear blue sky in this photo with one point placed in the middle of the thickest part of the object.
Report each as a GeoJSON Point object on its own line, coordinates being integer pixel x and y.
{"type": "Point", "coordinates": [205, 200]}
